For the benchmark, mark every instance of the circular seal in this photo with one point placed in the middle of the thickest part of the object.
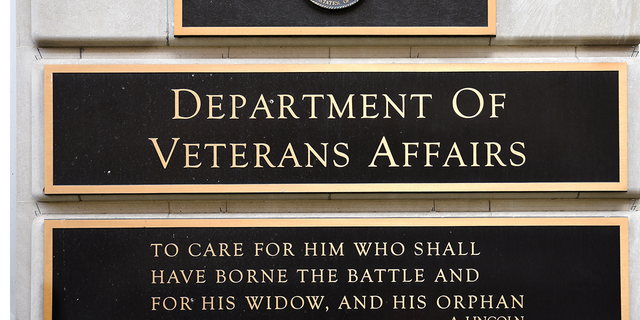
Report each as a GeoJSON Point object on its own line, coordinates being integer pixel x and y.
{"type": "Point", "coordinates": [334, 4]}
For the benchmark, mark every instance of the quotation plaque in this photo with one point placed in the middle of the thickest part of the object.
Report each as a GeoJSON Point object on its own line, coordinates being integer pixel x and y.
{"type": "Point", "coordinates": [447, 269]}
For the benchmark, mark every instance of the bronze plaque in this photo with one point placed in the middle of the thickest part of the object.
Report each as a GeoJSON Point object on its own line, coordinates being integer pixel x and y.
{"type": "Point", "coordinates": [335, 128]}
{"type": "Point", "coordinates": [334, 17]}
{"type": "Point", "coordinates": [476, 269]}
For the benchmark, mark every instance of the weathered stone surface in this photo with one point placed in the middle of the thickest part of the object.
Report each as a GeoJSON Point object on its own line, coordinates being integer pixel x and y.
{"type": "Point", "coordinates": [150, 23]}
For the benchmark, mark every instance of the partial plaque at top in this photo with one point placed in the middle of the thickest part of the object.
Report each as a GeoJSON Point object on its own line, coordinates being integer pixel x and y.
{"type": "Point", "coordinates": [334, 17]}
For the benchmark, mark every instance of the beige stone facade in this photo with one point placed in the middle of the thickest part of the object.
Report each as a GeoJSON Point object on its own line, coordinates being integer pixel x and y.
{"type": "Point", "coordinates": [141, 32]}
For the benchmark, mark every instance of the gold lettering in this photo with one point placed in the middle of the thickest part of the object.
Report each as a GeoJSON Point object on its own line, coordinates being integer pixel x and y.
{"type": "Point", "coordinates": [215, 146]}
{"type": "Point", "coordinates": [313, 103]}
{"type": "Point", "coordinates": [262, 155]}
{"type": "Point", "coordinates": [341, 154]}
{"type": "Point", "coordinates": [495, 105]}
{"type": "Point", "coordinates": [310, 150]}
{"type": "Point", "coordinates": [517, 153]}
{"type": "Point", "coordinates": [429, 153]}
{"type": "Point", "coordinates": [421, 103]}
{"type": "Point", "coordinates": [474, 146]}
{"type": "Point", "coordinates": [289, 154]}
{"type": "Point", "coordinates": [493, 154]}
{"type": "Point", "coordinates": [387, 153]}
{"type": "Point", "coordinates": [191, 253]}
{"type": "Point", "coordinates": [480, 103]}
{"type": "Point", "coordinates": [177, 103]}
{"type": "Point", "coordinates": [235, 155]}
{"type": "Point", "coordinates": [388, 102]}
{"type": "Point", "coordinates": [334, 106]}
{"type": "Point", "coordinates": [288, 106]}
{"type": "Point", "coordinates": [457, 155]}
{"type": "Point", "coordinates": [264, 108]}
{"type": "Point", "coordinates": [407, 153]}
{"type": "Point", "coordinates": [188, 155]}
{"type": "Point", "coordinates": [366, 106]}
{"type": "Point", "coordinates": [218, 106]}
{"type": "Point", "coordinates": [164, 161]}
{"type": "Point", "coordinates": [234, 104]}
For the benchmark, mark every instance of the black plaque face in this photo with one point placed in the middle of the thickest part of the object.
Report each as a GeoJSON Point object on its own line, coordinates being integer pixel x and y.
{"type": "Point", "coordinates": [337, 269]}
{"type": "Point", "coordinates": [335, 17]}
{"type": "Point", "coordinates": [172, 129]}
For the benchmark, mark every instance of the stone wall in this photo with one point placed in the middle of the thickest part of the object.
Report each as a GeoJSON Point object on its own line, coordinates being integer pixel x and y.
{"type": "Point", "coordinates": [141, 32]}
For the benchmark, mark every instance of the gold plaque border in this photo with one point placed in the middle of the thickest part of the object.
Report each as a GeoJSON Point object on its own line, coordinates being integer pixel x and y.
{"type": "Point", "coordinates": [180, 30]}
{"type": "Point", "coordinates": [51, 189]}
{"type": "Point", "coordinates": [49, 225]}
